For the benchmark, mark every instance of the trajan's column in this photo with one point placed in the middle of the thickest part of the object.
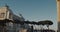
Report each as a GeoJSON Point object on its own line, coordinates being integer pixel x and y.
{"type": "Point", "coordinates": [58, 14]}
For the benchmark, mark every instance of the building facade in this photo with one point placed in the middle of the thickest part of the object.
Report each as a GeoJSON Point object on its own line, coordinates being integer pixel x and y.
{"type": "Point", "coordinates": [6, 13]}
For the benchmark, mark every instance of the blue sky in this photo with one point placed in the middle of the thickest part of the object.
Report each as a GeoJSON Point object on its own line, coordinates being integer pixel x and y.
{"type": "Point", "coordinates": [34, 10]}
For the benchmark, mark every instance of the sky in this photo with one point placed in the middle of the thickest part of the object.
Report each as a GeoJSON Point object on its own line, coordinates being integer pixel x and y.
{"type": "Point", "coordinates": [34, 10]}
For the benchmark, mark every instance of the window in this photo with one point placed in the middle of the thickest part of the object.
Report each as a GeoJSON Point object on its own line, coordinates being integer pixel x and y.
{"type": "Point", "coordinates": [2, 15]}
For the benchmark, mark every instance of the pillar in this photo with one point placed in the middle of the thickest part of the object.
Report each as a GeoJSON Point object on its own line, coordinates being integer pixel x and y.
{"type": "Point", "coordinates": [58, 14]}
